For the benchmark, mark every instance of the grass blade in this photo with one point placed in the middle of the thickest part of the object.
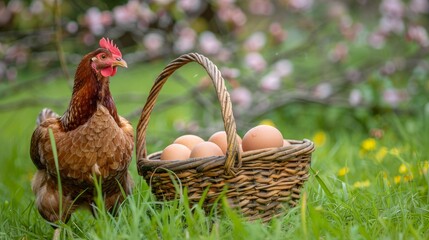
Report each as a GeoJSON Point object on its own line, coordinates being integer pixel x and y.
{"type": "Point", "coordinates": [55, 153]}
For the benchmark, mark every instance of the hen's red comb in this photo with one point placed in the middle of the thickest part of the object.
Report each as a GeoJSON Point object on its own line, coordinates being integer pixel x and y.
{"type": "Point", "coordinates": [108, 44]}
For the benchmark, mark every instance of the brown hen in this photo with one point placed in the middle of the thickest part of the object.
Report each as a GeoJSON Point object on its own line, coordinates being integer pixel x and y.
{"type": "Point", "coordinates": [92, 140]}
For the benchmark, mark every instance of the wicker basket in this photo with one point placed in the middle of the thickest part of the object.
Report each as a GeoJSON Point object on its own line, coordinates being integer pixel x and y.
{"type": "Point", "coordinates": [258, 182]}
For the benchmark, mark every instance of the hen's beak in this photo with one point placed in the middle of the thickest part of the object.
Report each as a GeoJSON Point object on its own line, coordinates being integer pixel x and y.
{"type": "Point", "coordinates": [120, 62]}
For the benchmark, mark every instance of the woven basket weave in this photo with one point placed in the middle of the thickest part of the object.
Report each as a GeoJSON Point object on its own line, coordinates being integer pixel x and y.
{"type": "Point", "coordinates": [260, 182]}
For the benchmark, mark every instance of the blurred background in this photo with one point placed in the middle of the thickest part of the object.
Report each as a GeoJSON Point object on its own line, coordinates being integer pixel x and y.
{"type": "Point", "coordinates": [312, 68]}
{"type": "Point", "coordinates": [354, 60]}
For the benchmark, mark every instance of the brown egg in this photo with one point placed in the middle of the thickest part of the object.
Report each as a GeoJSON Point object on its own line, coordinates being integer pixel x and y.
{"type": "Point", "coordinates": [189, 140]}
{"type": "Point", "coordinates": [206, 149]}
{"type": "Point", "coordinates": [262, 136]}
{"type": "Point", "coordinates": [220, 139]}
{"type": "Point", "coordinates": [286, 143]}
{"type": "Point", "coordinates": [175, 152]}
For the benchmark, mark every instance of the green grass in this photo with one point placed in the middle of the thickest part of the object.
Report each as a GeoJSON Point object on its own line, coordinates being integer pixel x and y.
{"type": "Point", "coordinates": [382, 196]}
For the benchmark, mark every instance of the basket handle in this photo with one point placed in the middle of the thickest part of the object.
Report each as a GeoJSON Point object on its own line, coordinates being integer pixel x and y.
{"type": "Point", "coordinates": [233, 151]}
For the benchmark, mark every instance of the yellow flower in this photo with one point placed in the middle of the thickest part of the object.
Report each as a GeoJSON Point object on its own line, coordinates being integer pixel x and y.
{"type": "Point", "coordinates": [319, 138]}
{"type": "Point", "coordinates": [369, 144]}
{"type": "Point", "coordinates": [403, 169]}
{"type": "Point", "coordinates": [381, 153]}
{"type": "Point", "coordinates": [397, 179]}
{"type": "Point", "coordinates": [267, 122]}
{"type": "Point", "coordinates": [343, 171]}
{"type": "Point", "coordinates": [408, 178]}
{"type": "Point", "coordinates": [362, 184]}
{"type": "Point", "coordinates": [395, 151]}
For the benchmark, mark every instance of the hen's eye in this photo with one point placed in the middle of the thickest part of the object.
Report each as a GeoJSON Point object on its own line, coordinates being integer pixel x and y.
{"type": "Point", "coordinates": [103, 56]}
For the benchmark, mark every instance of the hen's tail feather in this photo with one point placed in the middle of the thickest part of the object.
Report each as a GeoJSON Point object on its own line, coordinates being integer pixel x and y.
{"type": "Point", "coordinates": [45, 114]}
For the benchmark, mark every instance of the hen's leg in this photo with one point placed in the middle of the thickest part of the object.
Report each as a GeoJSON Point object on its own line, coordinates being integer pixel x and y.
{"type": "Point", "coordinates": [48, 199]}
{"type": "Point", "coordinates": [113, 201]}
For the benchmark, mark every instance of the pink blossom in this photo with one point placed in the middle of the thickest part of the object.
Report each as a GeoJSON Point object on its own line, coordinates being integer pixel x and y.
{"type": "Point", "coordinates": [164, 19]}
{"type": "Point", "coordinates": [97, 20]}
{"type": "Point", "coordinates": [394, 97]}
{"type": "Point", "coordinates": [392, 8]}
{"type": "Point", "coordinates": [93, 17]}
{"type": "Point", "coordinates": [143, 13]}
{"type": "Point", "coordinates": [209, 43]}
{"type": "Point", "coordinates": [390, 24]}
{"type": "Point", "coordinates": [124, 15]}
{"type": "Point", "coordinates": [355, 97]}
{"type": "Point", "coordinates": [36, 7]}
{"type": "Point", "coordinates": [271, 82]}
{"type": "Point", "coordinates": [241, 97]}
{"type": "Point", "coordinates": [300, 5]}
{"type": "Point", "coordinates": [353, 75]}
{"type": "Point", "coordinates": [255, 61]}
{"type": "Point", "coordinates": [15, 6]}
{"type": "Point", "coordinates": [339, 53]}
{"type": "Point", "coordinates": [230, 73]}
{"type": "Point", "coordinates": [261, 7]}
{"type": "Point", "coordinates": [189, 5]}
{"type": "Point", "coordinates": [5, 14]}
{"type": "Point", "coordinates": [419, 6]}
{"type": "Point", "coordinates": [283, 68]}
{"type": "Point", "coordinates": [72, 27]}
{"type": "Point", "coordinates": [17, 54]}
{"type": "Point", "coordinates": [88, 39]}
{"type": "Point", "coordinates": [185, 41]}
{"type": "Point", "coordinates": [389, 68]}
{"type": "Point", "coordinates": [277, 31]}
{"type": "Point", "coordinates": [153, 42]}
{"type": "Point", "coordinates": [232, 14]}
{"type": "Point", "coordinates": [106, 18]}
{"type": "Point", "coordinates": [323, 90]}
{"type": "Point", "coordinates": [238, 17]}
{"type": "Point", "coordinates": [377, 40]}
{"type": "Point", "coordinates": [337, 10]}
{"type": "Point", "coordinates": [419, 35]}
{"type": "Point", "coordinates": [349, 29]}
{"type": "Point", "coordinates": [224, 55]}
{"type": "Point", "coordinates": [255, 42]}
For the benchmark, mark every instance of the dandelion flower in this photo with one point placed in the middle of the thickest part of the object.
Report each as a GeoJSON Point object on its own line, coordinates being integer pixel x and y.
{"type": "Point", "coordinates": [267, 122]}
{"type": "Point", "coordinates": [343, 171]}
{"type": "Point", "coordinates": [408, 178]}
{"type": "Point", "coordinates": [319, 138]}
{"type": "Point", "coordinates": [362, 184]}
{"type": "Point", "coordinates": [397, 179]}
{"type": "Point", "coordinates": [403, 169]}
{"type": "Point", "coordinates": [381, 154]}
{"type": "Point", "coordinates": [369, 144]}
